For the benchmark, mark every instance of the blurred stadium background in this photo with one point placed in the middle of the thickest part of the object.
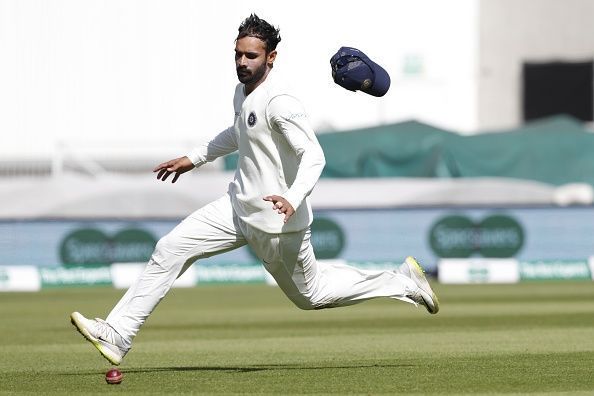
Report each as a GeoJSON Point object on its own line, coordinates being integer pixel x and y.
{"type": "Point", "coordinates": [477, 161]}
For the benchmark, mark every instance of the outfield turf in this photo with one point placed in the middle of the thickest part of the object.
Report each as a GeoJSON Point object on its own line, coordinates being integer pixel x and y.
{"type": "Point", "coordinates": [533, 338]}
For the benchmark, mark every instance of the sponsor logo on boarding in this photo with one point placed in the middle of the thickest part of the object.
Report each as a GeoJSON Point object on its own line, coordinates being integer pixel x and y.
{"type": "Point", "coordinates": [230, 273]}
{"type": "Point", "coordinates": [90, 246]}
{"type": "Point", "coordinates": [478, 270]}
{"type": "Point", "coordinates": [497, 236]}
{"type": "Point", "coordinates": [252, 119]}
{"type": "Point", "coordinates": [555, 269]}
{"type": "Point", "coordinates": [327, 238]}
{"type": "Point", "coordinates": [75, 276]}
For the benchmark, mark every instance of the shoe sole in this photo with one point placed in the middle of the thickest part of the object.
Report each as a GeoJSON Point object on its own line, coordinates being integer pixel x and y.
{"type": "Point", "coordinates": [431, 301]}
{"type": "Point", "coordinates": [106, 353]}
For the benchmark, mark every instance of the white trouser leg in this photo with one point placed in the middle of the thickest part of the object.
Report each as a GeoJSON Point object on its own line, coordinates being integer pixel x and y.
{"type": "Point", "coordinates": [210, 230]}
{"type": "Point", "coordinates": [290, 259]}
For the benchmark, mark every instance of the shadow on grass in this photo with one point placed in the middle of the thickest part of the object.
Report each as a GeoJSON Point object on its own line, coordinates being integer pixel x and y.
{"type": "Point", "coordinates": [269, 367]}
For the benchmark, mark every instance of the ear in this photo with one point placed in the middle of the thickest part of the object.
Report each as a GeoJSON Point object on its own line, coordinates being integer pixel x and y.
{"type": "Point", "coordinates": [271, 57]}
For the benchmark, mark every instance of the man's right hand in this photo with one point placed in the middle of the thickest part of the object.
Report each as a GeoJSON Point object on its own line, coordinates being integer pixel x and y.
{"type": "Point", "coordinates": [178, 166]}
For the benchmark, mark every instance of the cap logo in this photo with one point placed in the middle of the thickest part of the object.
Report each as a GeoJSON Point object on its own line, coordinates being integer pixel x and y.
{"type": "Point", "coordinates": [366, 84]}
{"type": "Point", "coordinates": [252, 119]}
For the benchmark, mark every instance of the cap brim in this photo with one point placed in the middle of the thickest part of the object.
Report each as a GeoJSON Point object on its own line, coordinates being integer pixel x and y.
{"type": "Point", "coordinates": [381, 81]}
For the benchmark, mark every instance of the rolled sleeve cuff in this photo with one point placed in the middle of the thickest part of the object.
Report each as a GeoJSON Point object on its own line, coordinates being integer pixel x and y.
{"type": "Point", "coordinates": [196, 157]}
{"type": "Point", "coordinates": [294, 198]}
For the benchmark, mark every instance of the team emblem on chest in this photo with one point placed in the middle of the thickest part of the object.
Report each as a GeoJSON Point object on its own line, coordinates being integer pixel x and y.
{"type": "Point", "coordinates": [252, 119]}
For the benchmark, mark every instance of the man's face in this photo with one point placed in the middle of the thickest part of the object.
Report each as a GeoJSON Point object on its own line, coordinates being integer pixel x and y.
{"type": "Point", "coordinates": [251, 59]}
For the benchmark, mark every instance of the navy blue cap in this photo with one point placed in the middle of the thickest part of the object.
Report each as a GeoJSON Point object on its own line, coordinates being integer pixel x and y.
{"type": "Point", "coordinates": [353, 70]}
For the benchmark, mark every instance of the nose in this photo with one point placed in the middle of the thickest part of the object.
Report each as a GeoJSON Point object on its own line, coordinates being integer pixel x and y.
{"type": "Point", "coordinates": [241, 61]}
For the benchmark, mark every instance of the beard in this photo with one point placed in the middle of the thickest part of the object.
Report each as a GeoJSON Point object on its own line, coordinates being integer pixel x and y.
{"type": "Point", "coordinates": [248, 77]}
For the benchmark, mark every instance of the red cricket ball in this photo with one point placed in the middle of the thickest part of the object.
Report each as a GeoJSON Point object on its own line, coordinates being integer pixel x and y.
{"type": "Point", "coordinates": [114, 376]}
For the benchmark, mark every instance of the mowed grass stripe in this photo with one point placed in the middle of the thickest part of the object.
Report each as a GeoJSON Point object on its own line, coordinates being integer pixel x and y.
{"type": "Point", "coordinates": [511, 339]}
{"type": "Point", "coordinates": [527, 373]}
{"type": "Point", "coordinates": [304, 347]}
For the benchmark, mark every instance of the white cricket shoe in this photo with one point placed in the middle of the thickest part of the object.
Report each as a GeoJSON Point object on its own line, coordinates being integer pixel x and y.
{"type": "Point", "coordinates": [424, 295]}
{"type": "Point", "coordinates": [102, 336]}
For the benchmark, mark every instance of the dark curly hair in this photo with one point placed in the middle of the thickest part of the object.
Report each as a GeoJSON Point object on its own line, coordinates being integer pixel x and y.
{"type": "Point", "coordinates": [253, 26]}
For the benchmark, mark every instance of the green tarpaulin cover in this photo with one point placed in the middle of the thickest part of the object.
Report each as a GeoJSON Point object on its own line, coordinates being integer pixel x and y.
{"type": "Point", "coordinates": [555, 150]}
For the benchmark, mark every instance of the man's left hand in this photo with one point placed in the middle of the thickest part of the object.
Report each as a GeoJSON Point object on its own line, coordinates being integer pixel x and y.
{"type": "Point", "coordinates": [281, 205]}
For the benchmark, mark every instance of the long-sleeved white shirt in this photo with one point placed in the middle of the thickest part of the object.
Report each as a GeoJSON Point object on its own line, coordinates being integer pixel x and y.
{"type": "Point", "coordinates": [279, 154]}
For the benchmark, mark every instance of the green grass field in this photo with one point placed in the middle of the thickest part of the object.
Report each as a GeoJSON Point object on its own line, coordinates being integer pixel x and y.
{"type": "Point", "coordinates": [535, 338]}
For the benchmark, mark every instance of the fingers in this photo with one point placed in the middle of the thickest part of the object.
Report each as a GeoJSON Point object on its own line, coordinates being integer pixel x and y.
{"type": "Point", "coordinates": [288, 213]}
{"type": "Point", "coordinates": [281, 205]}
{"type": "Point", "coordinates": [160, 166]}
{"type": "Point", "coordinates": [163, 174]}
{"type": "Point", "coordinates": [167, 168]}
{"type": "Point", "coordinates": [164, 165]}
{"type": "Point", "coordinates": [275, 199]}
{"type": "Point", "coordinates": [280, 209]}
{"type": "Point", "coordinates": [277, 202]}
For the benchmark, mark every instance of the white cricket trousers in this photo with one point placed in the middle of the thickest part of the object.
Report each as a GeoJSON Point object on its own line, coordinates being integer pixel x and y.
{"type": "Point", "coordinates": [288, 257]}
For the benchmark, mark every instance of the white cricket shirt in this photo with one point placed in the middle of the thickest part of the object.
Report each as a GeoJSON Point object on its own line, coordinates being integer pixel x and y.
{"type": "Point", "coordinates": [279, 154]}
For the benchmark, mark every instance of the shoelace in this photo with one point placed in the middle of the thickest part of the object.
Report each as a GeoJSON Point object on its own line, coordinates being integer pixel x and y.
{"type": "Point", "coordinates": [417, 297]}
{"type": "Point", "coordinates": [105, 332]}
